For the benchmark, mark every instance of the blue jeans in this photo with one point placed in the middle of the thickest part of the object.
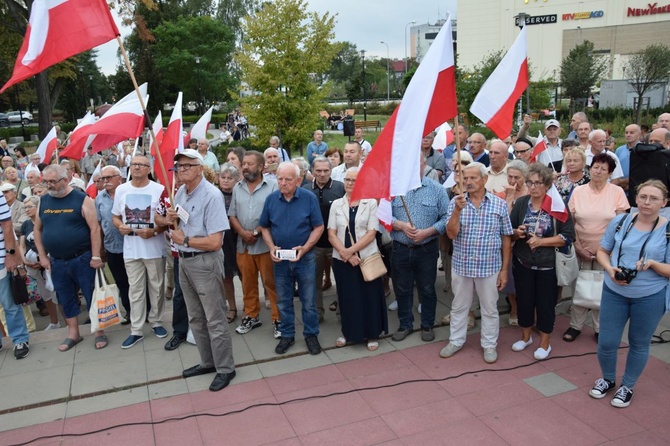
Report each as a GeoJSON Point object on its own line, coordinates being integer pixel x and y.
{"type": "Point", "coordinates": [16, 323]}
{"type": "Point", "coordinates": [286, 274]}
{"type": "Point", "coordinates": [68, 277]}
{"type": "Point", "coordinates": [415, 264]}
{"type": "Point", "coordinates": [644, 314]}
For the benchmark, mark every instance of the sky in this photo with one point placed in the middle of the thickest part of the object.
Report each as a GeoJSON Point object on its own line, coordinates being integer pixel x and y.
{"type": "Point", "coordinates": [365, 23]}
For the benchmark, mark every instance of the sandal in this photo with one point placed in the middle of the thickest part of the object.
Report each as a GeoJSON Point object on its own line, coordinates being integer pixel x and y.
{"type": "Point", "coordinates": [100, 340]}
{"type": "Point", "coordinates": [233, 317]}
{"type": "Point", "coordinates": [333, 306]}
{"type": "Point", "coordinates": [571, 334]}
{"type": "Point", "coordinates": [68, 343]}
{"type": "Point", "coordinates": [373, 345]}
{"type": "Point", "coordinates": [340, 342]}
{"type": "Point", "coordinates": [513, 321]}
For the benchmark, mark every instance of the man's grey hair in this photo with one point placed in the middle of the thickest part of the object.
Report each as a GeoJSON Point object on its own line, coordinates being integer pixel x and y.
{"type": "Point", "coordinates": [519, 166]}
{"type": "Point", "coordinates": [322, 159]}
{"type": "Point", "coordinates": [482, 168]}
{"type": "Point", "coordinates": [597, 132]}
{"type": "Point", "coordinates": [581, 116]}
{"type": "Point", "coordinates": [353, 169]}
{"type": "Point", "coordinates": [293, 166]}
{"type": "Point", "coordinates": [275, 139]}
{"type": "Point", "coordinates": [270, 149]}
{"type": "Point", "coordinates": [303, 164]}
{"type": "Point", "coordinates": [114, 169]}
{"type": "Point", "coordinates": [60, 171]}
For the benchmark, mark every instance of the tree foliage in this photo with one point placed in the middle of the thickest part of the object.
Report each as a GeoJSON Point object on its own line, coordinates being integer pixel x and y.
{"type": "Point", "coordinates": [646, 69]}
{"type": "Point", "coordinates": [286, 50]}
{"type": "Point", "coordinates": [469, 82]}
{"type": "Point", "coordinates": [580, 71]}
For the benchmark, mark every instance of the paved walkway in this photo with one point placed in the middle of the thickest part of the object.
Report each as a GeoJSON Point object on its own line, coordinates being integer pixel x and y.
{"type": "Point", "coordinates": [420, 398]}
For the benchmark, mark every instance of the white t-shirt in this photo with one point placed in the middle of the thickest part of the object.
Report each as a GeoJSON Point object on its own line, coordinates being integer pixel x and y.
{"type": "Point", "coordinates": [136, 206]}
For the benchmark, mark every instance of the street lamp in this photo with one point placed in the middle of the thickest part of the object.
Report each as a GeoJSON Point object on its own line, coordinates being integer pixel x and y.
{"type": "Point", "coordinates": [388, 75]}
{"type": "Point", "coordinates": [197, 72]}
{"type": "Point", "coordinates": [410, 23]}
{"type": "Point", "coordinates": [365, 101]}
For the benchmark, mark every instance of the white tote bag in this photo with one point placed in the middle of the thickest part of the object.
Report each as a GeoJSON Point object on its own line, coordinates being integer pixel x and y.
{"type": "Point", "coordinates": [105, 308]}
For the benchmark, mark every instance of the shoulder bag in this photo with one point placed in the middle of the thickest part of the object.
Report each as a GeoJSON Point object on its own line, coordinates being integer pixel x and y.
{"type": "Point", "coordinates": [372, 267]}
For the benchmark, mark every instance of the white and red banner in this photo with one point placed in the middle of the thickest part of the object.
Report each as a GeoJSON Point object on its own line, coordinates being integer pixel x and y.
{"type": "Point", "coordinates": [48, 146]}
{"type": "Point", "coordinates": [553, 205]}
{"type": "Point", "coordinates": [199, 129]}
{"type": "Point", "coordinates": [173, 141]}
{"type": "Point", "coordinates": [157, 128]}
{"type": "Point", "coordinates": [429, 101]}
{"type": "Point", "coordinates": [91, 189]}
{"type": "Point", "coordinates": [495, 102]}
{"type": "Point", "coordinates": [540, 146]}
{"type": "Point", "coordinates": [77, 149]}
{"type": "Point", "coordinates": [444, 136]}
{"type": "Point", "coordinates": [58, 29]}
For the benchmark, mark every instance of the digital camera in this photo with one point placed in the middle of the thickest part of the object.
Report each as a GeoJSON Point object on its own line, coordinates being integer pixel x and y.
{"type": "Point", "coordinates": [625, 275]}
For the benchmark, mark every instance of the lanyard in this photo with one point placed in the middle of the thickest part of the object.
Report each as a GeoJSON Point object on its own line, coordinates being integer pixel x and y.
{"type": "Point", "coordinates": [630, 226]}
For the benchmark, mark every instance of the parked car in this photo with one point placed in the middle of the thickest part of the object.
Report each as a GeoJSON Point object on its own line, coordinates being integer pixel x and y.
{"type": "Point", "coordinates": [16, 117]}
{"type": "Point", "coordinates": [4, 120]}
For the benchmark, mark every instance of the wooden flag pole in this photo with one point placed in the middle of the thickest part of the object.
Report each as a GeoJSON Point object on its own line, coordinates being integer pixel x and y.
{"type": "Point", "coordinates": [146, 116]}
{"type": "Point", "coordinates": [409, 217]}
{"type": "Point", "coordinates": [458, 152]}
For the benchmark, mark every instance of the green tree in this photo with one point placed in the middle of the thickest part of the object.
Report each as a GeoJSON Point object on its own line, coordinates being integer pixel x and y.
{"type": "Point", "coordinates": [469, 82]}
{"type": "Point", "coordinates": [580, 71]}
{"type": "Point", "coordinates": [286, 51]}
{"type": "Point", "coordinates": [647, 69]}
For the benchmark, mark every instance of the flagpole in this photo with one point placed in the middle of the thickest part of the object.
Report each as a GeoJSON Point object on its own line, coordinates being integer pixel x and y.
{"type": "Point", "coordinates": [457, 140]}
{"type": "Point", "coordinates": [409, 217]}
{"type": "Point", "coordinates": [146, 114]}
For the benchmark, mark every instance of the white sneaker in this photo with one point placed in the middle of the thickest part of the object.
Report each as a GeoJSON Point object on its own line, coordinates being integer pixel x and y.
{"type": "Point", "coordinates": [541, 353]}
{"type": "Point", "coordinates": [450, 350]}
{"type": "Point", "coordinates": [189, 337]}
{"type": "Point", "coordinates": [393, 306]}
{"type": "Point", "coordinates": [52, 326]}
{"type": "Point", "coordinates": [520, 345]}
{"type": "Point", "coordinates": [490, 355]}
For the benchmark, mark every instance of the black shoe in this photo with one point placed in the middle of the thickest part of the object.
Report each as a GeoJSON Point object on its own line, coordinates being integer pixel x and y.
{"type": "Point", "coordinates": [221, 380]}
{"type": "Point", "coordinates": [313, 345]}
{"type": "Point", "coordinates": [401, 334]}
{"type": "Point", "coordinates": [126, 321]}
{"type": "Point", "coordinates": [284, 345]}
{"type": "Point", "coordinates": [174, 342]}
{"type": "Point", "coordinates": [197, 370]}
{"type": "Point", "coordinates": [21, 350]}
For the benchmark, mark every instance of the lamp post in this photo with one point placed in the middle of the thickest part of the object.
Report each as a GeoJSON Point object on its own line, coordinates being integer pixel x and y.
{"type": "Point", "coordinates": [365, 101]}
{"type": "Point", "coordinates": [410, 23]}
{"type": "Point", "coordinates": [388, 73]}
{"type": "Point", "coordinates": [197, 72]}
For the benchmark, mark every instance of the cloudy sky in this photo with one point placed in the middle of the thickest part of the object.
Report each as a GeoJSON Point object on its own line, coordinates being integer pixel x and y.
{"type": "Point", "coordinates": [363, 22]}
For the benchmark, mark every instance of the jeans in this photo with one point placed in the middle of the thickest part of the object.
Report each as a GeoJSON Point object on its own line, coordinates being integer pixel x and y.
{"type": "Point", "coordinates": [321, 255]}
{"type": "Point", "coordinates": [415, 264]}
{"type": "Point", "coordinates": [16, 323]}
{"type": "Point", "coordinates": [286, 274]}
{"type": "Point", "coordinates": [68, 276]}
{"type": "Point", "coordinates": [179, 313]}
{"type": "Point", "coordinates": [644, 314]}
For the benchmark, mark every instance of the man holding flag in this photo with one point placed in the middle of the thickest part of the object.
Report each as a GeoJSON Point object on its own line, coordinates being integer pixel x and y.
{"type": "Point", "coordinates": [551, 155]}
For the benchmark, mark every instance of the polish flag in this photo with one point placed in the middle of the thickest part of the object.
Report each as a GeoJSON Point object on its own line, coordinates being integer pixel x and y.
{"type": "Point", "coordinates": [157, 127]}
{"type": "Point", "coordinates": [173, 141]}
{"type": "Point", "coordinates": [540, 146]}
{"type": "Point", "coordinates": [495, 102]}
{"type": "Point", "coordinates": [76, 150]}
{"type": "Point", "coordinates": [91, 190]}
{"type": "Point", "coordinates": [385, 214]}
{"type": "Point", "coordinates": [199, 129]}
{"type": "Point", "coordinates": [58, 29]}
{"type": "Point", "coordinates": [124, 120]}
{"type": "Point", "coordinates": [48, 146]}
{"type": "Point", "coordinates": [553, 205]}
{"type": "Point", "coordinates": [444, 136]}
{"type": "Point", "coordinates": [430, 100]}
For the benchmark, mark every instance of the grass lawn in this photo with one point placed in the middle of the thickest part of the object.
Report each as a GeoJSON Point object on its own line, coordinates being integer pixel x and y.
{"type": "Point", "coordinates": [337, 138]}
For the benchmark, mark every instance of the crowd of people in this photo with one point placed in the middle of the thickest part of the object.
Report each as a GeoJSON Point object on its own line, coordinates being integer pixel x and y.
{"type": "Point", "coordinates": [480, 215]}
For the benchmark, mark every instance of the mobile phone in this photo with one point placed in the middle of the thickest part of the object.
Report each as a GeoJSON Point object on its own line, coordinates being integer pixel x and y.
{"type": "Point", "coordinates": [286, 254]}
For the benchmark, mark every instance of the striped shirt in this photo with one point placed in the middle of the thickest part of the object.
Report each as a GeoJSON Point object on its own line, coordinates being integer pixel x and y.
{"type": "Point", "coordinates": [5, 215]}
{"type": "Point", "coordinates": [478, 245]}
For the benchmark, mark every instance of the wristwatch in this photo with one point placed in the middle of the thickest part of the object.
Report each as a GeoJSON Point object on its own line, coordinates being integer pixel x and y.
{"type": "Point", "coordinates": [11, 251]}
{"type": "Point", "coordinates": [186, 242]}
{"type": "Point", "coordinates": [255, 232]}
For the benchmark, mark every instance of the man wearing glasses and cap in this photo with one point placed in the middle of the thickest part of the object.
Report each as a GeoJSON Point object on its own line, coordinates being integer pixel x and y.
{"type": "Point", "coordinates": [553, 156]}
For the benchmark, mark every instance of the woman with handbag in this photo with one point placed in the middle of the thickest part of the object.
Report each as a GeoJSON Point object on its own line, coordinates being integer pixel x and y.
{"type": "Point", "coordinates": [537, 235]}
{"type": "Point", "coordinates": [593, 206]}
{"type": "Point", "coordinates": [352, 228]}
{"type": "Point", "coordinates": [635, 254]}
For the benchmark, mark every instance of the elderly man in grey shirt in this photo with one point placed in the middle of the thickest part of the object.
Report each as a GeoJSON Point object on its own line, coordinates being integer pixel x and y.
{"type": "Point", "coordinates": [253, 255]}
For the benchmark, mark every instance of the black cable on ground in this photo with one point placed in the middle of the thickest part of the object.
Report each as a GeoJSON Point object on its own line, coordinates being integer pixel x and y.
{"type": "Point", "coordinates": [307, 398]}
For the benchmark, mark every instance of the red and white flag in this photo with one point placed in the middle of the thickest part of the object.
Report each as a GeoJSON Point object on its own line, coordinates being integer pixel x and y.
{"type": "Point", "coordinates": [199, 129]}
{"type": "Point", "coordinates": [76, 149]}
{"type": "Point", "coordinates": [495, 102]}
{"type": "Point", "coordinates": [48, 146]}
{"type": "Point", "coordinates": [58, 29]}
{"type": "Point", "coordinates": [443, 137]}
{"type": "Point", "coordinates": [173, 141]}
{"type": "Point", "coordinates": [553, 205]}
{"type": "Point", "coordinates": [157, 127]}
{"type": "Point", "coordinates": [91, 189]}
{"type": "Point", "coordinates": [429, 101]}
{"type": "Point", "coordinates": [385, 214]}
{"type": "Point", "coordinates": [540, 146]}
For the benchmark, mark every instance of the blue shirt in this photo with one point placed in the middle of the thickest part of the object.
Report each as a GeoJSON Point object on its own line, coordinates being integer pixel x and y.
{"type": "Point", "coordinates": [623, 153]}
{"type": "Point", "coordinates": [291, 222]}
{"type": "Point", "coordinates": [313, 150]}
{"type": "Point", "coordinates": [113, 238]}
{"type": "Point", "coordinates": [427, 206]}
{"type": "Point", "coordinates": [478, 245]}
{"type": "Point", "coordinates": [647, 282]}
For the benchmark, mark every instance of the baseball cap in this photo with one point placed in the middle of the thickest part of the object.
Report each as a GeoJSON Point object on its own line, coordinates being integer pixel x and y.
{"type": "Point", "coordinates": [7, 187]}
{"type": "Point", "coordinates": [190, 153]}
{"type": "Point", "coordinates": [552, 122]}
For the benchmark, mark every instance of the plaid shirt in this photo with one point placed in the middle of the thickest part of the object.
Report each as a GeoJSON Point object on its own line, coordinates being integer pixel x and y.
{"type": "Point", "coordinates": [478, 246]}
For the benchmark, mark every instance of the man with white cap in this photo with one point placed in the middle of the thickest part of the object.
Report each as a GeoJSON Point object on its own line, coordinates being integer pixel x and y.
{"type": "Point", "coordinates": [200, 219]}
{"type": "Point", "coordinates": [553, 156]}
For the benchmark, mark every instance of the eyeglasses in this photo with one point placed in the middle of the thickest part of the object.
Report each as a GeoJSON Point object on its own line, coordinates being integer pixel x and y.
{"type": "Point", "coordinates": [534, 183]}
{"type": "Point", "coordinates": [28, 206]}
{"type": "Point", "coordinates": [53, 182]}
{"type": "Point", "coordinates": [107, 178]}
{"type": "Point", "coordinates": [139, 165]}
{"type": "Point", "coordinates": [184, 166]}
{"type": "Point", "coordinates": [521, 151]}
{"type": "Point", "coordinates": [649, 198]}
{"type": "Point", "coordinates": [350, 180]}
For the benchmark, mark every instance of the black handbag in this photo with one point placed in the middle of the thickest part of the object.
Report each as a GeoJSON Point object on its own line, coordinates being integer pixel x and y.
{"type": "Point", "coordinates": [19, 288]}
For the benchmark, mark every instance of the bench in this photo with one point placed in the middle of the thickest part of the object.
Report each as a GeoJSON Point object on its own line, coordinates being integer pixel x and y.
{"type": "Point", "coordinates": [368, 124]}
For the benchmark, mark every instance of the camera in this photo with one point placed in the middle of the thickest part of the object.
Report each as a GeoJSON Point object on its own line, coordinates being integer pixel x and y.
{"type": "Point", "coordinates": [625, 275]}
